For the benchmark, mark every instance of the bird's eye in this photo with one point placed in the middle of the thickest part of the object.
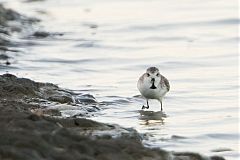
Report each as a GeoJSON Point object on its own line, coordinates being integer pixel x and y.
{"type": "Point", "coordinates": [148, 74]}
{"type": "Point", "coordinates": [158, 74]}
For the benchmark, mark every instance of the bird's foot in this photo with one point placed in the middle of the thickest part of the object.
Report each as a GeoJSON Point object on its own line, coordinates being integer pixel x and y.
{"type": "Point", "coordinates": [143, 107]}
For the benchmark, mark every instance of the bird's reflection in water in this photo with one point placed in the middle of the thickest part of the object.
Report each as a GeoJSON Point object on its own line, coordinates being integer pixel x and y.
{"type": "Point", "coordinates": [151, 117]}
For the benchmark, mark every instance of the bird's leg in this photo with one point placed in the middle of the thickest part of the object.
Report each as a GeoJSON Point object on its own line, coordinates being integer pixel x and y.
{"type": "Point", "coordinates": [147, 105]}
{"type": "Point", "coordinates": [143, 107]}
{"type": "Point", "coordinates": [161, 104]}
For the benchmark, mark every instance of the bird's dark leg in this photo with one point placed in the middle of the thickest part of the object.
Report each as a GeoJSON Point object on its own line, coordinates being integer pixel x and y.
{"type": "Point", "coordinates": [143, 107]}
{"type": "Point", "coordinates": [161, 105]}
{"type": "Point", "coordinates": [147, 105]}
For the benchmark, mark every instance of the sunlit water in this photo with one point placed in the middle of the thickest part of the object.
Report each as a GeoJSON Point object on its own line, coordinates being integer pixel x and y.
{"type": "Point", "coordinates": [108, 44]}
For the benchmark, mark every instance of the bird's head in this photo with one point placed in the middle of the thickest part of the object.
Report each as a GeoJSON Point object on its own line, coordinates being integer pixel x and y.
{"type": "Point", "coordinates": [153, 77]}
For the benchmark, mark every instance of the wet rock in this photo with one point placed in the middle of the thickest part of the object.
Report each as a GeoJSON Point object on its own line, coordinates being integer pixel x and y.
{"type": "Point", "coordinates": [188, 156]}
{"type": "Point", "coordinates": [19, 87]}
{"type": "Point", "coordinates": [10, 85]}
{"type": "Point", "coordinates": [46, 112]}
{"type": "Point", "coordinates": [86, 99]}
{"type": "Point", "coordinates": [29, 136]}
{"type": "Point", "coordinates": [78, 122]}
{"type": "Point", "coordinates": [193, 156]}
{"type": "Point", "coordinates": [60, 98]}
{"type": "Point", "coordinates": [216, 158]}
{"type": "Point", "coordinates": [32, 137]}
{"type": "Point", "coordinates": [48, 95]}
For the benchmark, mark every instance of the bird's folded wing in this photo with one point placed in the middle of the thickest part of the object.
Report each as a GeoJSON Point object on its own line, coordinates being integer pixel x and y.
{"type": "Point", "coordinates": [165, 82]}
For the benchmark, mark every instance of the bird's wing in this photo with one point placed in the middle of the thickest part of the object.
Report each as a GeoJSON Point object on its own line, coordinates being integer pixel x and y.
{"type": "Point", "coordinates": [165, 82]}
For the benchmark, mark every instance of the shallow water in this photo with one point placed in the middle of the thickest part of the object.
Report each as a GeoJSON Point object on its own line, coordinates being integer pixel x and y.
{"type": "Point", "coordinates": [108, 44]}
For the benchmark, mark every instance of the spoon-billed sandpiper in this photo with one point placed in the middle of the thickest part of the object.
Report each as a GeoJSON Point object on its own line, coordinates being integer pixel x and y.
{"type": "Point", "coordinates": [153, 85]}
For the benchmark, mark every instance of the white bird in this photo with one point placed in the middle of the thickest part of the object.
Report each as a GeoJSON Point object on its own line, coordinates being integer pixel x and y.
{"type": "Point", "coordinates": [153, 85]}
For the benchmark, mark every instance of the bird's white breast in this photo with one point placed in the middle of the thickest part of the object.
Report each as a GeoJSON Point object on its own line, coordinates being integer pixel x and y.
{"type": "Point", "coordinates": [148, 93]}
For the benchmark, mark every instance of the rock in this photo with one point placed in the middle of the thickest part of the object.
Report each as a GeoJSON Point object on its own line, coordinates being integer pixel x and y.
{"type": "Point", "coordinates": [32, 137]}
{"type": "Point", "coordinates": [217, 158]}
{"type": "Point", "coordinates": [47, 95]}
{"type": "Point", "coordinates": [86, 99]}
{"type": "Point", "coordinates": [19, 87]}
{"type": "Point", "coordinates": [60, 98]}
{"type": "Point", "coordinates": [46, 112]}
{"type": "Point", "coordinates": [188, 156]}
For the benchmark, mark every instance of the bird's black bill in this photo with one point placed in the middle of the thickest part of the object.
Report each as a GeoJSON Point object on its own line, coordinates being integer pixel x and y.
{"type": "Point", "coordinates": [153, 86]}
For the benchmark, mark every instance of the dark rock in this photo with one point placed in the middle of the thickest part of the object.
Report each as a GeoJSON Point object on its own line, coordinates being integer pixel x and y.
{"type": "Point", "coordinates": [45, 94]}
{"type": "Point", "coordinates": [217, 158]}
{"type": "Point", "coordinates": [192, 156]}
{"type": "Point", "coordinates": [19, 87]}
{"type": "Point", "coordinates": [60, 98]}
{"type": "Point", "coordinates": [27, 136]}
{"type": "Point", "coordinates": [86, 98]}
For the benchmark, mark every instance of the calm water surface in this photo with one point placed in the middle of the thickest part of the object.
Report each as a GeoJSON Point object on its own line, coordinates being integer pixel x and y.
{"type": "Point", "coordinates": [108, 44]}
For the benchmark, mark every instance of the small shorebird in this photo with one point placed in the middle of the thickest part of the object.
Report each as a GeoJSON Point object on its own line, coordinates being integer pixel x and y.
{"type": "Point", "coordinates": [153, 85]}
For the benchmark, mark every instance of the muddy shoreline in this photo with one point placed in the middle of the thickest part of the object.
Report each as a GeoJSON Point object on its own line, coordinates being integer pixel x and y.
{"type": "Point", "coordinates": [30, 129]}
